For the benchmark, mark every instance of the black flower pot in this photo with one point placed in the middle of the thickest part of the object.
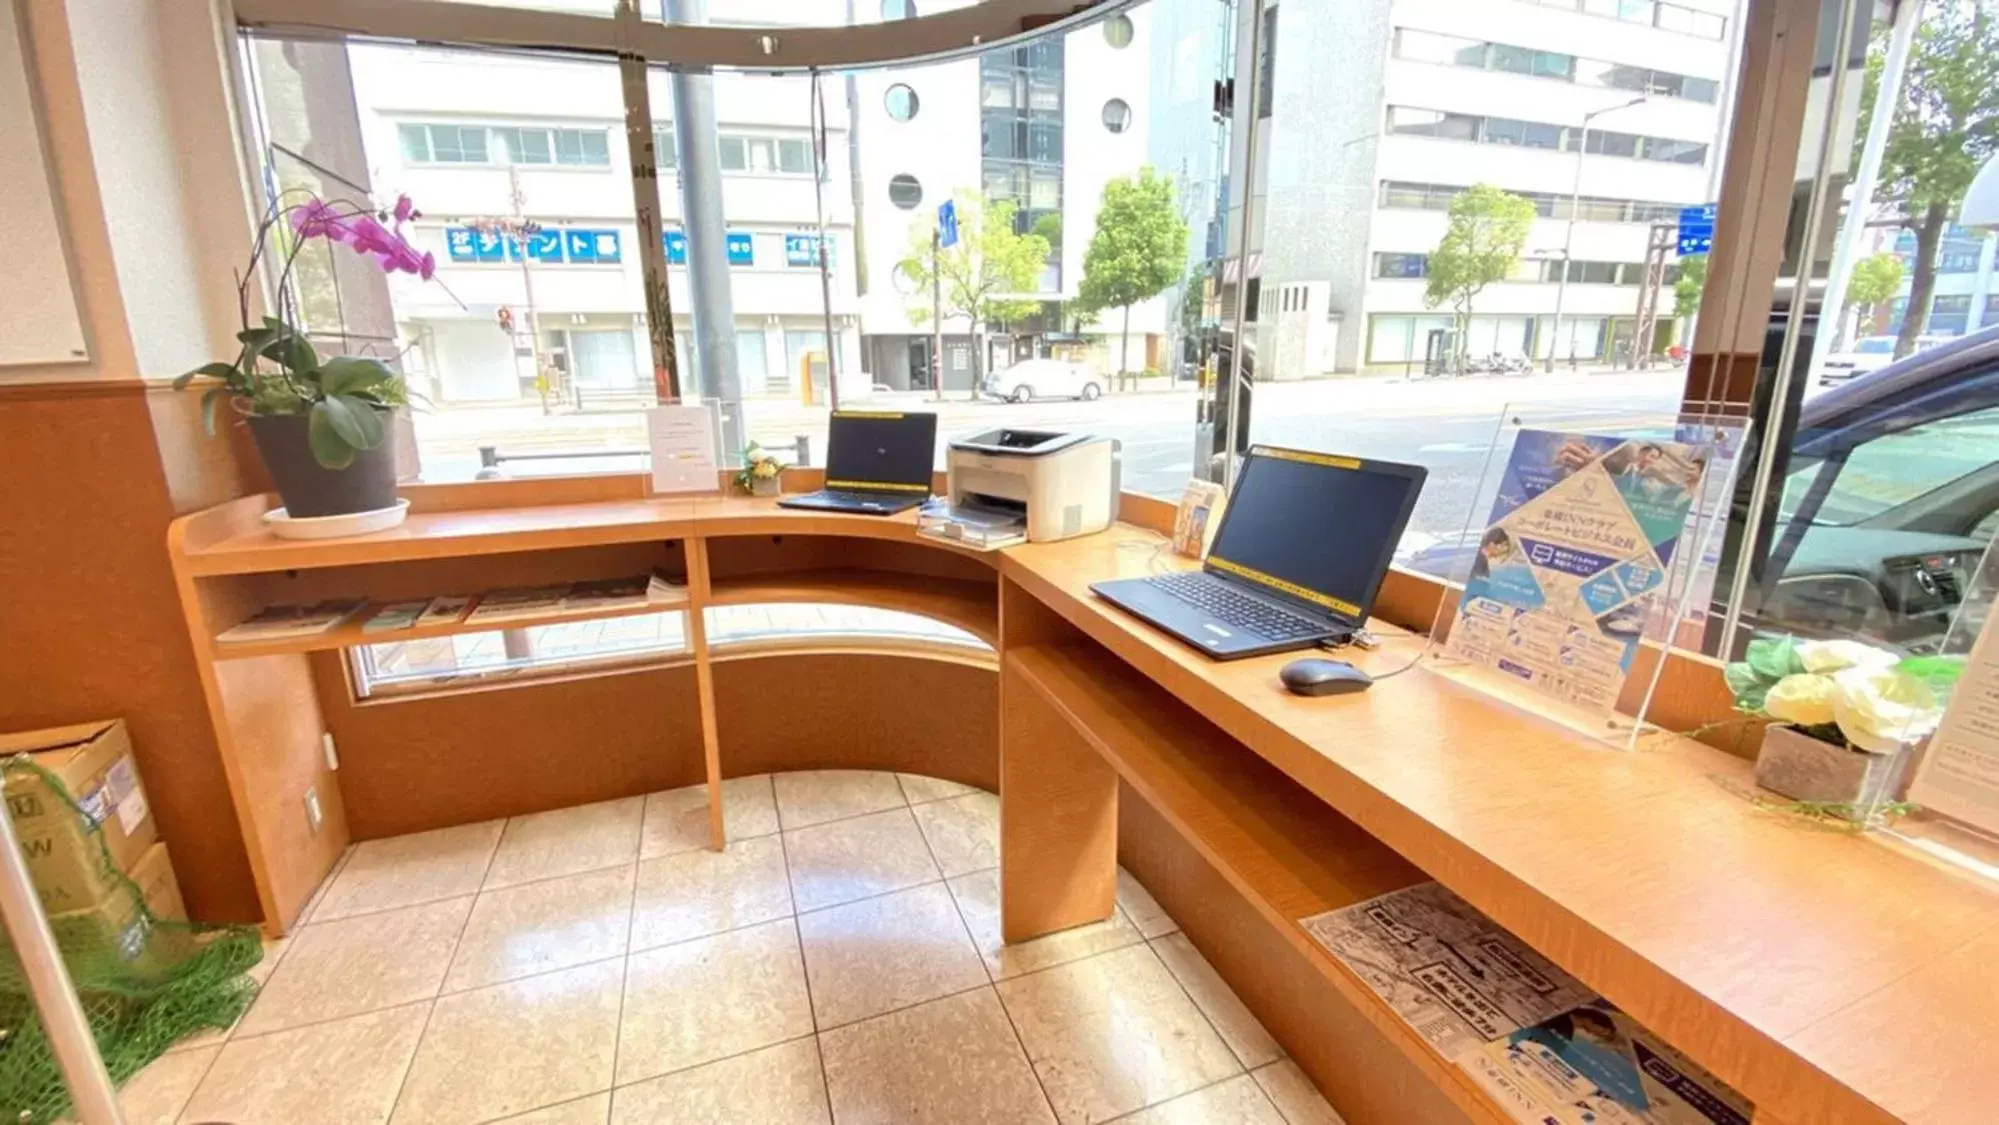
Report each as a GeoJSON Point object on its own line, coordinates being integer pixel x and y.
{"type": "Point", "coordinates": [309, 488]}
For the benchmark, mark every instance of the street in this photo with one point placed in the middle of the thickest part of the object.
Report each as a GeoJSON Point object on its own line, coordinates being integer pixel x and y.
{"type": "Point", "coordinates": [1448, 425]}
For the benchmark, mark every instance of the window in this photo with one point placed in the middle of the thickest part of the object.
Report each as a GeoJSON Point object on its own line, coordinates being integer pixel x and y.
{"type": "Point", "coordinates": [1674, 152]}
{"type": "Point", "coordinates": [1527, 134]}
{"type": "Point", "coordinates": [1603, 142]}
{"type": "Point", "coordinates": [444, 144]}
{"type": "Point", "coordinates": [584, 147]}
{"type": "Point", "coordinates": [665, 148]}
{"type": "Point", "coordinates": [905, 192]}
{"type": "Point", "coordinates": [734, 154]}
{"type": "Point", "coordinates": [1433, 123]}
{"type": "Point", "coordinates": [1401, 265]}
{"type": "Point", "coordinates": [898, 10]}
{"type": "Point", "coordinates": [794, 156]}
{"type": "Point", "coordinates": [901, 101]}
{"type": "Point", "coordinates": [1949, 315]}
{"type": "Point", "coordinates": [1117, 115]}
{"type": "Point", "coordinates": [467, 659]}
{"type": "Point", "coordinates": [1118, 31]}
{"type": "Point", "coordinates": [525, 146]}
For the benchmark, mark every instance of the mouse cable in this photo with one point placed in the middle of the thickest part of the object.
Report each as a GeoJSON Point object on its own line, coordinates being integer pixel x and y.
{"type": "Point", "coordinates": [1377, 677]}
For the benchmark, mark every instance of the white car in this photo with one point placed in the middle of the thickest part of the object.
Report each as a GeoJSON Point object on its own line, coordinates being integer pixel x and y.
{"type": "Point", "coordinates": [1044, 378]}
{"type": "Point", "coordinates": [1869, 354]}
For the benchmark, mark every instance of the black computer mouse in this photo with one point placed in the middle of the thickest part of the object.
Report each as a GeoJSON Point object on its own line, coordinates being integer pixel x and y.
{"type": "Point", "coordinates": [1314, 676]}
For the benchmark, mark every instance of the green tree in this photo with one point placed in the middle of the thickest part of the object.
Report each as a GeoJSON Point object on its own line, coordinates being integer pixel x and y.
{"type": "Point", "coordinates": [980, 276]}
{"type": "Point", "coordinates": [1138, 251]}
{"type": "Point", "coordinates": [1944, 129]}
{"type": "Point", "coordinates": [1876, 279]}
{"type": "Point", "coordinates": [1687, 290]}
{"type": "Point", "coordinates": [1481, 245]}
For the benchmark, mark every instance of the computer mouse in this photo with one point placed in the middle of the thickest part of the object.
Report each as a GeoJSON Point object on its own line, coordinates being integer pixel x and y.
{"type": "Point", "coordinates": [1314, 676]}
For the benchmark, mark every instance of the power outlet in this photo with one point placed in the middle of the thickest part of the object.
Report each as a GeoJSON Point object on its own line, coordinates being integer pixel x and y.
{"type": "Point", "coordinates": [313, 814]}
{"type": "Point", "coordinates": [326, 745]}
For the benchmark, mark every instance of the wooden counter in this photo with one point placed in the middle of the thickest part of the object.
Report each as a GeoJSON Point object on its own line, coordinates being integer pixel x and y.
{"type": "Point", "coordinates": [1828, 977]}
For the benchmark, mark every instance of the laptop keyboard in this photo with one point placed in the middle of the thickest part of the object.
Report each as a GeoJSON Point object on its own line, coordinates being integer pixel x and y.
{"type": "Point", "coordinates": [1231, 607]}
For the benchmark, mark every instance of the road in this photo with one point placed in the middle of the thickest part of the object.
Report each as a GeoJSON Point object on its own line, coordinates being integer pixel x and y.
{"type": "Point", "coordinates": [1450, 426]}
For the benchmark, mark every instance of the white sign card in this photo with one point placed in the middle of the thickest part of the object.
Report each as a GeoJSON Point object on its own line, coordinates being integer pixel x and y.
{"type": "Point", "coordinates": [682, 440]}
{"type": "Point", "coordinates": [1960, 772]}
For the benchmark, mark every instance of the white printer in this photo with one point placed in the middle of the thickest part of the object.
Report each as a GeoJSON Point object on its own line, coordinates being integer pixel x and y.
{"type": "Point", "coordinates": [1062, 484]}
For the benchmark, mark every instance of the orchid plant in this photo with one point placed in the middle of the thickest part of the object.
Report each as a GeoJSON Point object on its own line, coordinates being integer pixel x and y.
{"type": "Point", "coordinates": [347, 398]}
{"type": "Point", "coordinates": [1850, 694]}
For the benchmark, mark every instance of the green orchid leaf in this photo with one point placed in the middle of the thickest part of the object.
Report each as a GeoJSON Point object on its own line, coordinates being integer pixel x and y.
{"type": "Point", "coordinates": [355, 421]}
{"type": "Point", "coordinates": [209, 401]}
{"type": "Point", "coordinates": [354, 374]}
{"type": "Point", "coordinates": [296, 352]}
{"type": "Point", "coordinates": [1752, 700]}
{"type": "Point", "coordinates": [216, 370]}
{"type": "Point", "coordinates": [1743, 682]}
{"type": "Point", "coordinates": [1773, 658]}
{"type": "Point", "coordinates": [328, 447]}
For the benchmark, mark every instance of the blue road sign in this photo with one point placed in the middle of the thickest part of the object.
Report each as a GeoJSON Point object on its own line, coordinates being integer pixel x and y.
{"type": "Point", "coordinates": [1696, 229]}
{"type": "Point", "coordinates": [947, 224]}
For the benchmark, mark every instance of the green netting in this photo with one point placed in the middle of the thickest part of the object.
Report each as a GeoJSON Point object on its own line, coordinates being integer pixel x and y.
{"type": "Point", "coordinates": [145, 987]}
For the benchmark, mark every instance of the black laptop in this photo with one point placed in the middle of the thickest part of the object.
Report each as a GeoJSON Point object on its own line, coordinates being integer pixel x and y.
{"type": "Point", "coordinates": [1302, 549]}
{"type": "Point", "coordinates": [877, 463]}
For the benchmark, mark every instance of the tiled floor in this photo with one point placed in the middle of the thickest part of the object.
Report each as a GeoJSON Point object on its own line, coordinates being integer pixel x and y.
{"type": "Point", "coordinates": [840, 963]}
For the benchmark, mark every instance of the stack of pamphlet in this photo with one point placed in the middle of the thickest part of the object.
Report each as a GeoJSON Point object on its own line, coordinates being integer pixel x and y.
{"type": "Point", "coordinates": [606, 593]}
{"type": "Point", "coordinates": [664, 588]}
{"type": "Point", "coordinates": [517, 602]}
{"type": "Point", "coordinates": [977, 526]}
{"type": "Point", "coordinates": [282, 621]}
{"type": "Point", "coordinates": [1540, 1042]}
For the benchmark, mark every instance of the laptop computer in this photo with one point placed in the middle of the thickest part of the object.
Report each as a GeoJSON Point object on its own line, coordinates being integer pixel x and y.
{"type": "Point", "coordinates": [1300, 554]}
{"type": "Point", "coordinates": [878, 463]}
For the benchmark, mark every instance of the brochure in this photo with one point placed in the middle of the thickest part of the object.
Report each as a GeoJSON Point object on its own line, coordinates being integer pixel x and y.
{"type": "Point", "coordinates": [1576, 551]}
{"type": "Point", "coordinates": [1595, 1065]}
{"type": "Point", "coordinates": [445, 610]}
{"type": "Point", "coordinates": [663, 588]}
{"type": "Point", "coordinates": [1959, 775]}
{"type": "Point", "coordinates": [523, 601]}
{"type": "Point", "coordinates": [606, 593]}
{"type": "Point", "coordinates": [1197, 518]}
{"type": "Point", "coordinates": [397, 615]}
{"type": "Point", "coordinates": [281, 621]}
{"type": "Point", "coordinates": [1449, 971]}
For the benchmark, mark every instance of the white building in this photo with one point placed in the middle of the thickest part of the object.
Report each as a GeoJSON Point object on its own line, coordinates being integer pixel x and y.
{"type": "Point", "coordinates": [1357, 164]}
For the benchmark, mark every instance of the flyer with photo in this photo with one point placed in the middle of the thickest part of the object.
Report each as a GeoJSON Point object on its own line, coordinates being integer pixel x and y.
{"type": "Point", "coordinates": [1576, 551]}
{"type": "Point", "coordinates": [1595, 1065]}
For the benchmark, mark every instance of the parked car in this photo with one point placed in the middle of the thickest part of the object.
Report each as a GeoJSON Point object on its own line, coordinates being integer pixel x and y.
{"type": "Point", "coordinates": [1044, 378]}
{"type": "Point", "coordinates": [1869, 354]}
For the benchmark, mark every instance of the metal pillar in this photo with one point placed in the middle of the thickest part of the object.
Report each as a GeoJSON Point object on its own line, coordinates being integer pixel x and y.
{"type": "Point", "coordinates": [68, 1029]}
{"type": "Point", "coordinates": [1651, 285]}
{"type": "Point", "coordinates": [714, 309]}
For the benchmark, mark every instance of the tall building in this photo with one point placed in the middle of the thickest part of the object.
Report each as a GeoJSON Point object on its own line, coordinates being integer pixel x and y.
{"type": "Point", "coordinates": [1357, 164]}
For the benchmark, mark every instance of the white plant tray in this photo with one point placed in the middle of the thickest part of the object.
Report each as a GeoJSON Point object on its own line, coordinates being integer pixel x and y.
{"type": "Point", "coordinates": [335, 527]}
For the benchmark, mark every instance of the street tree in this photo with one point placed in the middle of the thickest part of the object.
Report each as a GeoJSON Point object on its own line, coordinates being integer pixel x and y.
{"type": "Point", "coordinates": [1139, 250]}
{"type": "Point", "coordinates": [1687, 290]}
{"type": "Point", "coordinates": [979, 277]}
{"type": "Point", "coordinates": [1876, 279]}
{"type": "Point", "coordinates": [1481, 245]}
{"type": "Point", "coordinates": [1945, 126]}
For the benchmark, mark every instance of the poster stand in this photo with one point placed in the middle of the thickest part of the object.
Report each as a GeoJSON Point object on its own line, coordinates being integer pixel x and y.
{"type": "Point", "coordinates": [1603, 699]}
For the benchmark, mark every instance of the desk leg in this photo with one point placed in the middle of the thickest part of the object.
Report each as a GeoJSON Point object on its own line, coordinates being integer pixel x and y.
{"type": "Point", "coordinates": [1058, 819]}
{"type": "Point", "coordinates": [704, 685]}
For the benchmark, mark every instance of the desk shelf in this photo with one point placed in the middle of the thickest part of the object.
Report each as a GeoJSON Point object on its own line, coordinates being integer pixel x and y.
{"type": "Point", "coordinates": [966, 603]}
{"type": "Point", "coordinates": [349, 634]}
{"type": "Point", "coordinates": [1284, 850]}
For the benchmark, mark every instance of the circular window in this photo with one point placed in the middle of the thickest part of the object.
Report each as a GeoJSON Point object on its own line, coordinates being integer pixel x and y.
{"type": "Point", "coordinates": [907, 277]}
{"type": "Point", "coordinates": [905, 191]}
{"type": "Point", "coordinates": [1117, 115]}
{"type": "Point", "coordinates": [901, 101]}
{"type": "Point", "coordinates": [898, 9]}
{"type": "Point", "coordinates": [1118, 31]}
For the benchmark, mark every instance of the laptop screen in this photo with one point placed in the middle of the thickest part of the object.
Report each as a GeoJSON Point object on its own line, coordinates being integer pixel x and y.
{"type": "Point", "coordinates": [1314, 528]}
{"type": "Point", "coordinates": [882, 451]}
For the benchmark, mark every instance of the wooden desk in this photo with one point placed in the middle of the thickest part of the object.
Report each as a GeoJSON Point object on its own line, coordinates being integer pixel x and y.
{"type": "Point", "coordinates": [1827, 976]}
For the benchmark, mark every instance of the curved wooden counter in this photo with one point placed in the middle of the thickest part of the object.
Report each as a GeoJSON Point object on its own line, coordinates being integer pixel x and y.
{"type": "Point", "coordinates": [1827, 976]}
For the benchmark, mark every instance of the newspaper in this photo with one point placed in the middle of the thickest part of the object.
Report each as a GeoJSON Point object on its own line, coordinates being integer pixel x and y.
{"type": "Point", "coordinates": [1452, 973]}
{"type": "Point", "coordinates": [1595, 1065]}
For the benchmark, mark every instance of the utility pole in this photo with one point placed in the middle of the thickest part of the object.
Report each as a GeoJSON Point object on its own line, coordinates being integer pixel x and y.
{"type": "Point", "coordinates": [1569, 233]}
{"type": "Point", "coordinates": [1651, 283]}
{"type": "Point", "coordinates": [707, 236]}
{"type": "Point", "coordinates": [818, 117]}
{"type": "Point", "coordinates": [519, 229]}
{"type": "Point", "coordinates": [937, 311]}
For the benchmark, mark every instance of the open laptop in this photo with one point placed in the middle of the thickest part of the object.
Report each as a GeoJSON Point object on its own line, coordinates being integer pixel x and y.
{"type": "Point", "coordinates": [877, 463]}
{"type": "Point", "coordinates": [1300, 554]}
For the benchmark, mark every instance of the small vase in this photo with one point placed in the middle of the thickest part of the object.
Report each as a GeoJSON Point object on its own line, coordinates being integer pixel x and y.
{"type": "Point", "coordinates": [1796, 765]}
{"type": "Point", "coordinates": [766, 486]}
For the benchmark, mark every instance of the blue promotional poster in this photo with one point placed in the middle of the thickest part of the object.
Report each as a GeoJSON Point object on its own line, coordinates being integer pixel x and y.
{"type": "Point", "coordinates": [1577, 550]}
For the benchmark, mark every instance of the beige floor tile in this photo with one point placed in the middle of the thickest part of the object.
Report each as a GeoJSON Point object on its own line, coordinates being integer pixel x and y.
{"type": "Point", "coordinates": [260, 973]}
{"type": "Point", "coordinates": [815, 796]}
{"type": "Point", "coordinates": [157, 1094]}
{"type": "Point", "coordinates": [340, 1073]}
{"type": "Point", "coordinates": [593, 1110]}
{"type": "Point", "coordinates": [854, 859]}
{"type": "Point", "coordinates": [1295, 1097]}
{"type": "Point", "coordinates": [978, 901]}
{"type": "Point", "coordinates": [406, 870]}
{"type": "Point", "coordinates": [918, 788]}
{"type": "Point", "coordinates": [694, 894]}
{"type": "Point", "coordinates": [879, 954]}
{"type": "Point", "coordinates": [778, 1085]}
{"type": "Point", "coordinates": [515, 1047]}
{"type": "Point", "coordinates": [1237, 1101]}
{"type": "Point", "coordinates": [677, 820]}
{"type": "Point", "coordinates": [1143, 910]}
{"type": "Point", "coordinates": [554, 924]}
{"type": "Point", "coordinates": [952, 1060]}
{"type": "Point", "coordinates": [1113, 1034]}
{"type": "Point", "coordinates": [707, 999]}
{"type": "Point", "coordinates": [963, 832]}
{"type": "Point", "coordinates": [360, 964]}
{"type": "Point", "coordinates": [1239, 1028]}
{"type": "Point", "coordinates": [567, 841]}
{"type": "Point", "coordinates": [319, 893]}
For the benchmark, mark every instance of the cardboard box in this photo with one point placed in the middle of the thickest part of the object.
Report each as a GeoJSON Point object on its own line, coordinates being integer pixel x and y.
{"type": "Point", "coordinates": [116, 926]}
{"type": "Point", "coordinates": [93, 761]}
